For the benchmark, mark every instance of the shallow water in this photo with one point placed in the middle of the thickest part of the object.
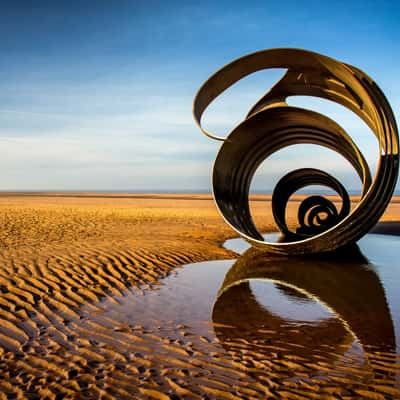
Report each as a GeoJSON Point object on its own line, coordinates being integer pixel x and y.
{"type": "Point", "coordinates": [331, 317]}
{"type": "Point", "coordinates": [185, 297]}
{"type": "Point", "coordinates": [382, 257]}
{"type": "Point", "coordinates": [188, 295]}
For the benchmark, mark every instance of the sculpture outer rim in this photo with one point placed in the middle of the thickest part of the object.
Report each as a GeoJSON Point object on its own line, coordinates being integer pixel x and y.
{"type": "Point", "coordinates": [379, 117]}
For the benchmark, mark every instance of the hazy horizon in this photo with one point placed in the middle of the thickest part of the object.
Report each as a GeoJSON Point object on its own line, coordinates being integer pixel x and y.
{"type": "Point", "coordinates": [176, 191]}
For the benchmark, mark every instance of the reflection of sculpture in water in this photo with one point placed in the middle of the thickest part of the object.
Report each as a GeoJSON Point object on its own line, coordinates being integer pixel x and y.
{"type": "Point", "coordinates": [347, 285]}
{"type": "Point", "coordinates": [272, 124]}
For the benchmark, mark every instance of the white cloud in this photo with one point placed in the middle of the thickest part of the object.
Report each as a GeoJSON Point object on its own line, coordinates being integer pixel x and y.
{"type": "Point", "coordinates": [117, 138]}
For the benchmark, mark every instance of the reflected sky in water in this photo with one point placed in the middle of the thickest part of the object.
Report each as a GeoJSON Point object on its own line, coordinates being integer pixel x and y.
{"type": "Point", "coordinates": [288, 303]}
{"type": "Point", "coordinates": [375, 281]}
{"type": "Point", "coordinates": [340, 310]}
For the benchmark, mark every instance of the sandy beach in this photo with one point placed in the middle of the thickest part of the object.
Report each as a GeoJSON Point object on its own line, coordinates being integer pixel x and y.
{"type": "Point", "coordinates": [64, 256]}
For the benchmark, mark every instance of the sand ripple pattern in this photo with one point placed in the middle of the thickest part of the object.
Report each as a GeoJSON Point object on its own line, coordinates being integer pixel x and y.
{"type": "Point", "coordinates": [52, 347]}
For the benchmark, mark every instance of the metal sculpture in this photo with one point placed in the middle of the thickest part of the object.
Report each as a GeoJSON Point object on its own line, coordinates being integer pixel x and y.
{"type": "Point", "coordinates": [272, 124]}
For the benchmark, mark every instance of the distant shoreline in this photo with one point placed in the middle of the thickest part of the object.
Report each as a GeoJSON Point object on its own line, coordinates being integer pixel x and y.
{"type": "Point", "coordinates": [159, 195]}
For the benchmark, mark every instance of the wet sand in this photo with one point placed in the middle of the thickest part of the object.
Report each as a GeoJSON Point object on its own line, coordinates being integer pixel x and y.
{"type": "Point", "coordinates": [65, 257]}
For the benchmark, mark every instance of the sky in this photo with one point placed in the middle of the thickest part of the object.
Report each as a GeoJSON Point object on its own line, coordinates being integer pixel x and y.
{"type": "Point", "coordinates": [97, 95]}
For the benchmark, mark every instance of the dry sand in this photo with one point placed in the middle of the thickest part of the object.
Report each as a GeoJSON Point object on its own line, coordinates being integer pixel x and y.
{"type": "Point", "coordinates": [62, 255]}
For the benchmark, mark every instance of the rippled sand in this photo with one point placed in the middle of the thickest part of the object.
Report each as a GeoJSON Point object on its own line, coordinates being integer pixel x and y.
{"type": "Point", "coordinates": [64, 257]}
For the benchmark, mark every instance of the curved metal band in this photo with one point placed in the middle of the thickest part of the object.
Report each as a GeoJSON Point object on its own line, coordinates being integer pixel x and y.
{"type": "Point", "coordinates": [313, 205]}
{"type": "Point", "coordinates": [272, 125]}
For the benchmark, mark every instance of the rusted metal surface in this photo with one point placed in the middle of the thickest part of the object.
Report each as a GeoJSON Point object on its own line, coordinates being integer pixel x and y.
{"type": "Point", "coordinates": [272, 124]}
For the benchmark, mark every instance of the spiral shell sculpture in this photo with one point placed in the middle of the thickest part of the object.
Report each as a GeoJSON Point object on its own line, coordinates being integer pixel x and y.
{"type": "Point", "coordinates": [272, 124]}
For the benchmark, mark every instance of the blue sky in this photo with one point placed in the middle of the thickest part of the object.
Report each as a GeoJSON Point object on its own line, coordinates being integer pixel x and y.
{"type": "Point", "coordinates": [97, 95]}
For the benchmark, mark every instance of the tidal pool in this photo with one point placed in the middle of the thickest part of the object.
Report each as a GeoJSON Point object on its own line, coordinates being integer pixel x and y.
{"type": "Point", "coordinates": [330, 317]}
